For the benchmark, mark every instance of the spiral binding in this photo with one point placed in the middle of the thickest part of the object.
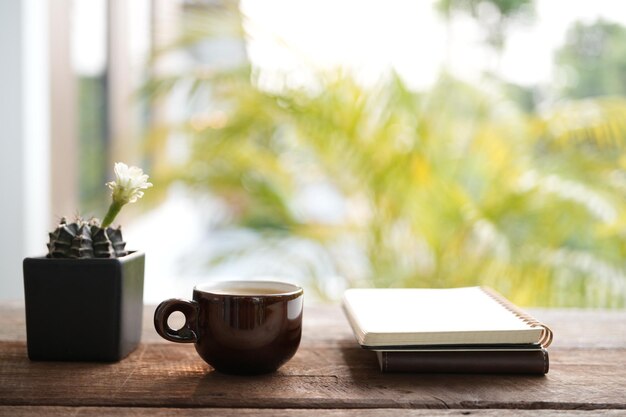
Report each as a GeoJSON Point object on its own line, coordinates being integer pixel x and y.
{"type": "Point", "coordinates": [546, 334]}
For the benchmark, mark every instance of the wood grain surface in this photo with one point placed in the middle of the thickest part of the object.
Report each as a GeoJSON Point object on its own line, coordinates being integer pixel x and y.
{"type": "Point", "coordinates": [329, 372]}
{"type": "Point", "coordinates": [19, 411]}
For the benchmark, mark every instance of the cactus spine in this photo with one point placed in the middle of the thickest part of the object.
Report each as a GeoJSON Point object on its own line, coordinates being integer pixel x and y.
{"type": "Point", "coordinates": [85, 239]}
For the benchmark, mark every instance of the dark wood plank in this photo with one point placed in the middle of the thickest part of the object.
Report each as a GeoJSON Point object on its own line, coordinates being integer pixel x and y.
{"type": "Point", "coordinates": [328, 318]}
{"type": "Point", "coordinates": [582, 328]}
{"type": "Point", "coordinates": [326, 324]}
{"type": "Point", "coordinates": [12, 321]}
{"type": "Point", "coordinates": [28, 411]}
{"type": "Point", "coordinates": [162, 375]}
{"type": "Point", "coordinates": [329, 371]}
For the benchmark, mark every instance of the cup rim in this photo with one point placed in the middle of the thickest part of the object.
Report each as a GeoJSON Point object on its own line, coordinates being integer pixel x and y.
{"type": "Point", "coordinates": [211, 286]}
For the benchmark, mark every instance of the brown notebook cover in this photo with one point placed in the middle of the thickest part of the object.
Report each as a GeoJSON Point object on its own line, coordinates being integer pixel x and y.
{"type": "Point", "coordinates": [473, 362]}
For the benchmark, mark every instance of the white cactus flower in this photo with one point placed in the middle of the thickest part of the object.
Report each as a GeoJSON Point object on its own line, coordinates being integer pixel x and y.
{"type": "Point", "coordinates": [127, 188]}
{"type": "Point", "coordinates": [129, 183]}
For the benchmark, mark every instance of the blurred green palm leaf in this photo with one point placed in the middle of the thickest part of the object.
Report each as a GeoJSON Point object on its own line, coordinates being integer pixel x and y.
{"type": "Point", "coordinates": [447, 187]}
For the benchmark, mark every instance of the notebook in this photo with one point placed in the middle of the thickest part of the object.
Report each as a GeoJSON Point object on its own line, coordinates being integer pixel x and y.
{"type": "Point", "coordinates": [529, 361]}
{"type": "Point", "coordinates": [432, 319]}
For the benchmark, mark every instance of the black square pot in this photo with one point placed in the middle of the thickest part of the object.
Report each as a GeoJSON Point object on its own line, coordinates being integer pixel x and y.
{"type": "Point", "coordinates": [83, 309]}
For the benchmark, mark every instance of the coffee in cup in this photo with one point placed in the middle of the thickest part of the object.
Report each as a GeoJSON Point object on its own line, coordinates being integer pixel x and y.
{"type": "Point", "coordinates": [238, 327]}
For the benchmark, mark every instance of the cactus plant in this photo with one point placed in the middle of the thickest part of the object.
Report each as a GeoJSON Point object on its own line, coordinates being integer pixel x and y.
{"type": "Point", "coordinates": [85, 239]}
{"type": "Point", "coordinates": [96, 289]}
{"type": "Point", "coordinates": [92, 239]}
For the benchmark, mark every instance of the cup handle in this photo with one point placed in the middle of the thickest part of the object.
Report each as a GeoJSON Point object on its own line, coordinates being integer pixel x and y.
{"type": "Point", "coordinates": [186, 334]}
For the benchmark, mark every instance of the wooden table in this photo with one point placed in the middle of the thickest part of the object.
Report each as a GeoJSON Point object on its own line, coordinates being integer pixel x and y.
{"type": "Point", "coordinates": [329, 376]}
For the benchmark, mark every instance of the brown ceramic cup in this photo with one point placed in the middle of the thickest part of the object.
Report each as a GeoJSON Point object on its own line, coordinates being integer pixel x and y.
{"type": "Point", "coordinates": [238, 327]}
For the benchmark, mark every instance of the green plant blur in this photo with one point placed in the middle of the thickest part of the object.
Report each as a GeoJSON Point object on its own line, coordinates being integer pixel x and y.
{"type": "Point", "coordinates": [454, 186]}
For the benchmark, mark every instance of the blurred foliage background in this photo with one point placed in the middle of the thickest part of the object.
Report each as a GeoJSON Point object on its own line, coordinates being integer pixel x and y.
{"type": "Point", "coordinates": [456, 185]}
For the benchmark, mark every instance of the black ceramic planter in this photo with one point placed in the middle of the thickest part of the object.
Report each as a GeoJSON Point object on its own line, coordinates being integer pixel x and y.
{"type": "Point", "coordinates": [83, 309]}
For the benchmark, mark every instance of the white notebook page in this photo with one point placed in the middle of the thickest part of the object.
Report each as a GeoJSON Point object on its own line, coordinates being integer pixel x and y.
{"type": "Point", "coordinates": [457, 315]}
